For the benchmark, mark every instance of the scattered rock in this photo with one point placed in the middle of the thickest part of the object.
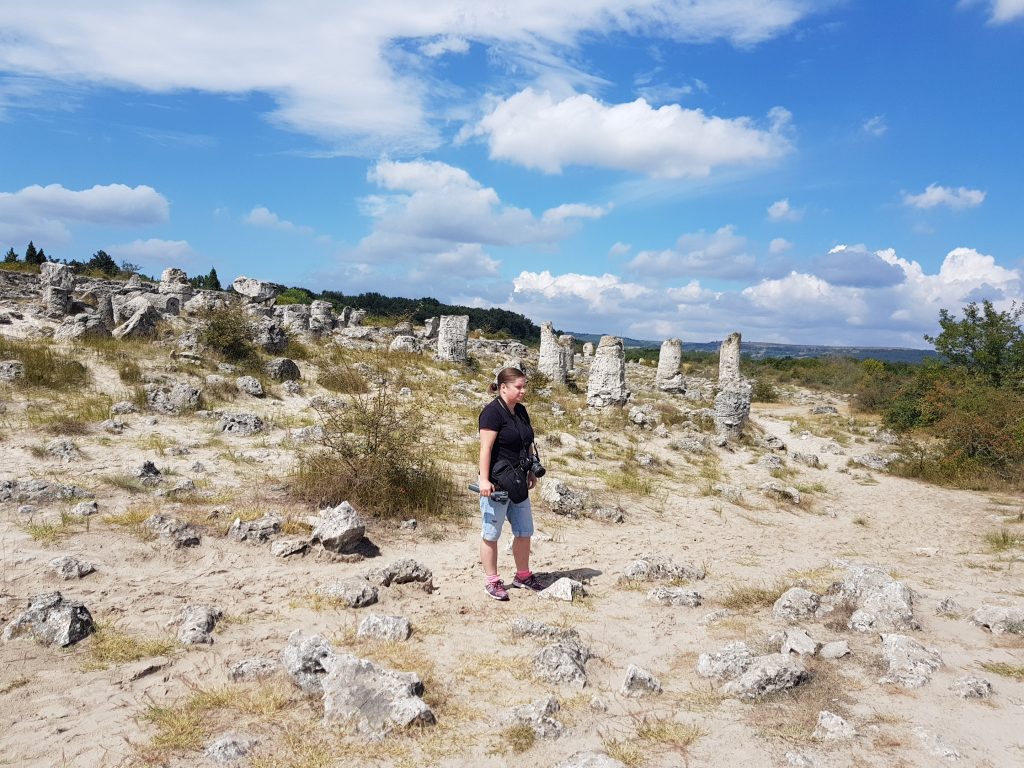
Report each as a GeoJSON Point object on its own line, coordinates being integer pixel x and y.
{"type": "Point", "coordinates": [563, 589]}
{"type": "Point", "coordinates": [179, 533]}
{"type": "Point", "coordinates": [85, 509]}
{"type": "Point", "coordinates": [656, 568]}
{"type": "Point", "coordinates": [562, 500]}
{"type": "Point", "coordinates": [354, 592]}
{"type": "Point", "coordinates": [52, 620]}
{"type": "Point", "coordinates": [372, 699]}
{"type": "Point", "coordinates": [799, 642]}
{"type": "Point", "coordinates": [197, 623]}
{"type": "Point", "coordinates": [39, 491]}
{"type": "Point", "coordinates": [835, 650]}
{"type": "Point", "coordinates": [873, 461]}
{"type": "Point", "coordinates": [674, 596]}
{"type": "Point", "coordinates": [241, 423]}
{"type": "Point", "coordinates": [10, 370]}
{"type": "Point", "coordinates": [563, 662]}
{"type": "Point", "coordinates": [171, 399]}
{"type": "Point", "coordinates": [767, 674]}
{"type": "Point", "coordinates": [935, 745]}
{"type": "Point", "coordinates": [832, 727]}
{"type": "Point", "coordinates": [402, 571]}
{"type": "Point", "coordinates": [807, 459]}
{"type": "Point", "coordinates": [256, 531]}
{"type": "Point", "coordinates": [282, 369]}
{"type": "Point", "coordinates": [230, 747]}
{"type": "Point", "coordinates": [539, 717]}
{"type": "Point", "coordinates": [796, 604]}
{"type": "Point", "coordinates": [776, 490]}
{"type": "Point", "coordinates": [909, 663]}
{"type": "Point", "coordinates": [971, 687]}
{"type": "Point", "coordinates": [732, 661]}
{"type": "Point", "coordinates": [824, 410]}
{"type": "Point", "coordinates": [523, 627]}
{"type": "Point", "coordinates": [68, 567]}
{"type": "Point", "coordinates": [258, 668]}
{"type": "Point", "coordinates": [392, 629]}
{"type": "Point", "coordinates": [303, 659]}
{"type": "Point", "coordinates": [250, 385]}
{"type": "Point", "coordinates": [256, 291]}
{"type": "Point", "coordinates": [881, 601]}
{"type": "Point", "coordinates": [999, 620]}
{"type": "Point", "coordinates": [289, 547]}
{"type": "Point", "coordinates": [639, 682]}
{"type": "Point", "coordinates": [339, 529]}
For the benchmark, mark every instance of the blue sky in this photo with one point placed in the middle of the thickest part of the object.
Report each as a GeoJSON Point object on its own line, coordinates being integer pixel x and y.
{"type": "Point", "coordinates": [812, 172]}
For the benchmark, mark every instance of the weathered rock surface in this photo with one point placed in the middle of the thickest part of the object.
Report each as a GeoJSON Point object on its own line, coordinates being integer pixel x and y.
{"type": "Point", "coordinates": [303, 659]}
{"type": "Point", "coordinates": [732, 409]}
{"type": "Point", "coordinates": [141, 325]}
{"type": "Point", "coordinates": [677, 596]}
{"type": "Point", "coordinates": [402, 571]}
{"type": "Point", "coordinates": [353, 592]}
{"type": "Point", "coordinates": [177, 532]}
{"type": "Point", "coordinates": [563, 662]}
{"type": "Point", "coordinates": [539, 716]}
{"type": "Point", "coordinates": [564, 589]}
{"type": "Point", "coordinates": [391, 629]}
{"type": "Point", "coordinates": [552, 360]}
{"type": "Point", "coordinates": [999, 619]}
{"type": "Point", "coordinates": [732, 661]}
{"type": "Point", "coordinates": [909, 663]}
{"type": "Point", "coordinates": [68, 567]}
{"type": "Point", "coordinates": [250, 385]}
{"type": "Point", "coordinates": [196, 624]}
{"type": "Point", "coordinates": [799, 642]}
{"type": "Point", "coordinates": [339, 529]}
{"type": "Point", "coordinates": [668, 377]}
{"type": "Point", "coordinates": [256, 531]}
{"type": "Point", "coordinates": [52, 620]}
{"type": "Point", "coordinates": [10, 370]}
{"type": "Point", "coordinates": [172, 398]}
{"type": "Point", "coordinates": [971, 687]}
{"type": "Point", "coordinates": [241, 423]}
{"type": "Point", "coordinates": [881, 602]}
{"type": "Point", "coordinates": [371, 699]}
{"type": "Point", "coordinates": [452, 334]}
{"type": "Point", "coordinates": [562, 499]}
{"type": "Point", "coordinates": [831, 727]}
{"type": "Point", "coordinates": [256, 291]}
{"type": "Point", "coordinates": [606, 385]}
{"type": "Point", "coordinates": [229, 748]}
{"type": "Point", "coordinates": [729, 361]}
{"type": "Point", "coordinates": [282, 369]}
{"type": "Point", "coordinates": [38, 491]}
{"type": "Point", "coordinates": [257, 668]}
{"type": "Point", "coordinates": [658, 568]}
{"type": "Point", "coordinates": [639, 682]}
{"type": "Point", "coordinates": [590, 760]}
{"type": "Point", "coordinates": [767, 674]}
{"type": "Point", "coordinates": [796, 604]}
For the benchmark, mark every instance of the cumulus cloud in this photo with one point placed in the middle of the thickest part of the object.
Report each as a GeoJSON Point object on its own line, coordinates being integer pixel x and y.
{"type": "Point", "coordinates": [781, 210]}
{"type": "Point", "coordinates": [261, 216]}
{"type": "Point", "coordinates": [46, 213]}
{"type": "Point", "coordinates": [875, 126]}
{"type": "Point", "coordinates": [934, 196]}
{"type": "Point", "coordinates": [779, 245]}
{"type": "Point", "coordinates": [1000, 11]}
{"type": "Point", "coordinates": [721, 254]}
{"type": "Point", "coordinates": [537, 130]}
{"type": "Point", "coordinates": [895, 302]}
{"type": "Point", "coordinates": [294, 52]}
{"type": "Point", "coordinates": [154, 253]}
{"type": "Point", "coordinates": [619, 249]}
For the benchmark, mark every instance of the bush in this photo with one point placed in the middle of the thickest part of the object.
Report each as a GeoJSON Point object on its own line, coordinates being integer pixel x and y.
{"type": "Point", "coordinates": [229, 333]}
{"type": "Point", "coordinates": [378, 453]}
{"type": "Point", "coordinates": [764, 392]}
{"type": "Point", "coordinates": [43, 366]}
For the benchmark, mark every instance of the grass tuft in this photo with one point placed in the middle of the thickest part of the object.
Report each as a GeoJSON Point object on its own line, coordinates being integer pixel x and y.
{"type": "Point", "coordinates": [746, 597]}
{"type": "Point", "coordinates": [1014, 671]}
{"type": "Point", "coordinates": [109, 646]}
{"type": "Point", "coordinates": [1003, 540]}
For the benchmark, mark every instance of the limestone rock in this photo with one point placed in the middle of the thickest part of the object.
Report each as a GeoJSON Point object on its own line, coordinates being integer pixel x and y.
{"type": "Point", "coordinates": [881, 601]}
{"type": "Point", "coordinates": [971, 687]}
{"type": "Point", "coordinates": [999, 620]}
{"type": "Point", "coordinates": [304, 658]}
{"type": "Point", "coordinates": [289, 547]}
{"type": "Point", "coordinates": [796, 604]}
{"type": "Point", "coordinates": [404, 344]}
{"type": "Point", "coordinates": [538, 716]}
{"type": "Point", "coordinates": [175, 282]}
{"type": "Point", "coordinates": [732, 409]}
{"type": "Point", "coordinates": [282, 369]}
{"type": "Point", "coordinates": [241, 423]}
{"type": "Point", "coordinates": [371, 699]}
{"type": "Point", "coordinates": [668, 377]}
{"type": "Point", "coordinates": [256, 291]}
{"type": "Point", "coordinates": [563, 662]}
{"type": "Point", "coordinates": [552, 361]}
{"type": "Point", "coordinates": [52, 620]}
{"type": "Point", "coordinates": [562, 499]}
{"type": "Point", "coordinates": [177, 532]}
{"type": "Point", "coordinates": [639, 682]}
{"type": "Point", "coordinates": [39, 491]}
{"type": "Point", "coordinates": [269, 335]}
{"type": "Point", "coordinates": [229, 748]}
{"type": "Point", "coordinates": [81, 326]}
{"type": "Point", "coordinates": [452, 335]}
{"type": "Point", "coordinates": [676, 596]}
{"type": "Point", "coordinates": [729, 361]}
{"type": "Point", "coordinates": [256, 531]}
{"type": "Point", "coordinates": [524, 627]}
{"type": "Point", "coordinates": [250, 385]}
{"type": "Point", "coordinates": [197, 623]}
{"type": "Point", "coordinates": [565, 589]}
{"type": "Point", "coordinates": [392, 629]}
{"type": "Point", "coordinates": [68, 567]}
{"type": "Point", "coordinates": [62, 449]}
{"type": "Point", "coordinates": [402, 571]}
{"type": "Point", "coordinates": [11, 370]}
{"type": "Point", "coordinates": [339, 529]}
{"type": "Point", "coordinates": [172, 398]}
{"type": "Point", "coordinates": [54, 274]}
{"type": "Point", "coordinates": [835, 650]}
{"type": "Point", "coordinates": [767, 674]}
{"type": "Point", "coordinates": [732, 661]}
{"type": "Point", "coordinates": [590, 760]}
{"type": "Point", "coordinates": [831, 727]}
{"type": "Point", "coordinates": [657, 568]}
{"type": "Point", "coordinates": [353, 592]}
{"type": "Point", "coordinates": [606, 385]}
{"type": "Point", "coordinates": [250, 670]}
{"type": "Point", "coordinates": [799, 642]}
{"type": "Point", "coordinates": [909, 663]}
{"type": "Point", "coordinates": [873, 461]}
{"type": "Point", "coordinates": [776, 490]}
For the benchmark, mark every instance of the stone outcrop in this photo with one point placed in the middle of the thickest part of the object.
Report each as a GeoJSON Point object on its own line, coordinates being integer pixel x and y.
{"type": "Point", "coordinates": [908, 663]}
{"type": "Point", "coordinates": [668, 377]}
{"type": "Point", "coordinates": [551, 361]}
{"type": "Point", "coordinates": [175, 283]}
{"type": "Point", "coordinates": [256, 291]}
{"type": "Point", "coordinates": [141, 325]}
{"type": "Point", "coordinates": [390, 629]}
{"type": "Point", "coordinates": [370, 699]}
{"type": "Point", "coordinates": [767, 674]}
{"type": "Point", "coordinates": [339, 529]}
{"type": "Point", "coordinates": [172, 398]}
{"type": "Point", "coordinates": [639, 682]}
{"type": "Point", "coordinates": [282, 369]}
{"type": "Point", "coordinates": [563, 662]}
{"type": "Point", "coordinates": [52, 620]}
{"type": "Point", "coordinates": [880, 601]}
{"type": "Point", "coordinates": [321, 317]}
{"type": "Point", "coordinates": [732, 409]}
{"type": "Point", "coordinates": [452, 335]}
{"type": "Point", "coordinates": [303, 659]}
{"type": "Point", "coordinates": [729, 361]}
{"type": "Point", "coordinates": [606, 385]}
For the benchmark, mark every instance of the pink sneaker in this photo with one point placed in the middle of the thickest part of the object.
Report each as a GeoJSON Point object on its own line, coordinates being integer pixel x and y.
{"type": "Point", "coordinates": [496, 590]}
{"type": "Point", "coordinates": [531, 583]}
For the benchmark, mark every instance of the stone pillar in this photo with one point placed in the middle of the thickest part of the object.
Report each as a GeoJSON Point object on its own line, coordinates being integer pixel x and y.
{"type": "Point", "coordinates": [344, 316]}
{"type": "Point", "coordinates": [588, 350]}
{"type": "Point", "coordinates": [294, 317]}
{"type": "Point", "coordinates": [607, 383]}
{"type": "Point", "coordinates": [729, 360]}
{"type": "Point", "coordinates": [452, 334]}
{"type": "Point", "coordinates": [105, 311]}
{"type": "Point", "coordinates": [732, 409]}
{"type": "Point", "coordinates": [357, 317]}
{"type": "Point", "coordinates": [568, 345]}
{"type": "Point", "coordinates": [56, 301]}
{"type": "Point", "coordinates": [175, 282]}
{"type": "Point", "coordinates": [58, 281]}
{"type": "Point", "coordinates": [321, 316]}
{"type": "Point", "coordinates": [668, 378]}
{"type": "Point", "coordinates": [551, 360]}
{"type": "Point", "coordinates": [430, 328]}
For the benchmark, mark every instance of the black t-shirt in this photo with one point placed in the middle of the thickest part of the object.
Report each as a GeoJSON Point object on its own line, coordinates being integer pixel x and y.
{"type": "Point", "coordinates": [514, 432]}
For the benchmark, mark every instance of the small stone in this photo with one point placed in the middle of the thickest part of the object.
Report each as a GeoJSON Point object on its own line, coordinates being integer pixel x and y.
{"type": "Point", "coordinates": [250, 385]}
{"type": "Point", "coordinates": [909, 663]}
{"type": "Point", "coordinates": [677, 596]}
{"type": "Point", "coordinates": [259, 668]}
{"type": "Point", "coordinates": [835, 650]}
{"type": "Point", "coordinates": [565, 589]}
{"type": "Point", "coordinates": [85, 509]}
{"type": "Point", "coordinates": [303, 659]}
{"type": "Point", "coordinates": [539, 716]}
{"type": "Point", "coordinates": [391, 629]}
{"type": "Point", "coordinates": [796, 604]}
{"type": "Point", "coordinates": [52, 620]}
{"type": "Point", "coordinates": [732, 661]}
{"type": "Point", "coordinates": [197, 623]}
{"type": "Point", "coordinates": [68, 568]}
{"type": "Point", "coordinates": [971, 687]}
{"type": "Point", "coordinates": [339, 529]}
{"type": "Point", "coordinates": [799, 642]}
{"type": "Point", "coordinates": [289, 547]}
{"type": "Point", "coordinates": [353, 592]}
{"type": "Point", "coordinates": [590, 760]}
{"type": "Point", "coordinates": [832, 727]}
{"type": "Point", "coordinates": [767, 674]}
{"type": "Point", "coordinates": [563, 662]}
{"type": "Point", "coordinates": [639, 682]}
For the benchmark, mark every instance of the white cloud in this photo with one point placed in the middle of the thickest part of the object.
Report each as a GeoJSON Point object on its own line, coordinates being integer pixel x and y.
{"type": "Point", "coordinates": [721, 254]}
{"type": "Point", "coordinates": [539, 131]}
{"type": "Point", "coordinates": [154, 253]}
{"type": "Point", "coordinates": [857, 266]}
{"type": "Point", "coordinates": [781, 210]}
{"type": "Point", "coordinates": [46, 213]}
{"type": "Point", "coordinates": [934, 195]}
{"type": "Point", "coordinates": [875, 126]}
{"type": "Point", "coordinates": [1000, 11]}
{"type": "Point", "coordinates": [353, 73]}
{"type": "Point", "coordinates": [779, 245]}
{"type": "Point", "coordinates": [261, 216]}
{"type": "Point", "coordinates": [619, 249]}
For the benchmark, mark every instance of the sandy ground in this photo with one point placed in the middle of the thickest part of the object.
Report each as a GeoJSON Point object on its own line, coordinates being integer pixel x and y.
{"type": "Point", "coordinates": [60, 709]}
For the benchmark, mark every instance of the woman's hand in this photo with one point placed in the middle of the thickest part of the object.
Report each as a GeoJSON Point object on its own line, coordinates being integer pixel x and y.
{"type": "Point", "coordinates": [531, 481]}
{"type": "Point", "coordinates": [485, 486]}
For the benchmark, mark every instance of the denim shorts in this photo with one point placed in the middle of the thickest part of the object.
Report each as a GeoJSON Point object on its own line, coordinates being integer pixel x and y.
{"type": "Point", "coordinates": [493, 513]}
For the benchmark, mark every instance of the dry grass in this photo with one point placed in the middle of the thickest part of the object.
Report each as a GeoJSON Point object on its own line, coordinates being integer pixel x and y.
{"type": "Point", "coordinates": [124, 482]}
{"type": "Point", "coordinates": [1004, 540]}
{"type": "Point", "coordinates": [109, 645]}
{"type": "Point", "coordinates": [14, 684]}
{"type": "Point", "coordinates": [750, 597]}
{"type": "Point", "coordinates": [132, 519]}
{"type": "Point", "coordinates": [1014, 671]}
{"type": "Point", "coordinates": [653, 734]}
{"type": "Point", "coordinates": [519, 738]}
{"type": "Point", "coordinates": [792, 715]}
{"type": "Point", "coordinates": [48, 534]}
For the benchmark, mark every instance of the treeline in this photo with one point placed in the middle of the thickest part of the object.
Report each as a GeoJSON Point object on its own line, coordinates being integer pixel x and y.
{"type": "Point", "coordinates": [496, 323]}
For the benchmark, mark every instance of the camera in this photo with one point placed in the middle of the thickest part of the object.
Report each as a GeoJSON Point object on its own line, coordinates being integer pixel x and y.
{"type": "Point", "coordinates": [532, 464]}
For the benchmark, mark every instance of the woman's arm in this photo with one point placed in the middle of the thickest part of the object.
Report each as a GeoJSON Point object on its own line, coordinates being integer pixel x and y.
{"type": "Point", "coordinates": [487, 438]}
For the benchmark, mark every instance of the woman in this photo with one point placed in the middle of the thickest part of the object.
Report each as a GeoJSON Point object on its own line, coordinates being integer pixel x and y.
{"type": "Point", "coordinates": [505, 433]}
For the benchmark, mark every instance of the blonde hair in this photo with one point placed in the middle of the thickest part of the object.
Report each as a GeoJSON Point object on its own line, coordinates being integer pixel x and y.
{"type": "Point", "coordinates": [505, 376]}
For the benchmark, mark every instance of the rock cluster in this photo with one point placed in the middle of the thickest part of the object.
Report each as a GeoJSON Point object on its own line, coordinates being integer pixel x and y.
{"type": "Point", "coordinates": [606, 385]}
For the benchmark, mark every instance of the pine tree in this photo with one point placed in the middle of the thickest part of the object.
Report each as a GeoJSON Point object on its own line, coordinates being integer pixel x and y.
{"type": "Point", "coordinates": [212, 281]}
{"type": "Point", "coordinates": [11, 256]}
{"type": "Point", "coordinates": [41, 257]}
{"type": "Point", "coordinates": [31, 254]}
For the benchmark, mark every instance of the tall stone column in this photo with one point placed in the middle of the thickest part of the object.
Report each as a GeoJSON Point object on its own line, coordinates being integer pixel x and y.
{"type": "Point", "coordinates": [568, 345]}
{"type": "Point", "coordinates": [607, 383]}
{"type": "Point", "coordinates": [668, 378]}
{"type": "Point", "coordinates": [551, 361]}
{"type": "Point", "coordinates": [588, 350]}
{"type": "Point", "coordinates": [321, 316]}
{"type": "Point", "coordinates": [57, 281]}
{"type": "Point", "coordinates": [452, 335]}
{"type": "Point", "coordinates": [729, 360]}
{"type": "Point", "coordinates": [175, 282]}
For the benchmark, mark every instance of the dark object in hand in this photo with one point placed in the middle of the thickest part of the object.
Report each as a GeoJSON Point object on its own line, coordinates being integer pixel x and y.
{"type": "Point", "coordinates": [499, 496]}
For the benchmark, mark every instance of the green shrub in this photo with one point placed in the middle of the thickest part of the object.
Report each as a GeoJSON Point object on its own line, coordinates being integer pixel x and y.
{"type": "Point", "coordinates": [43, 366]}
{"type": "Point", "coordinates": [229, 333]}
{"type": "Point", "coordinates": [764, 392]}
{"type": "Point", "coordinates": [378, 453]}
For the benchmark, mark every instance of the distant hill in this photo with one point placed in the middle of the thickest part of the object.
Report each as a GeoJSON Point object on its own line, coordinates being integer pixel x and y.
{"type": "Point", "coordinates": [759, 349]}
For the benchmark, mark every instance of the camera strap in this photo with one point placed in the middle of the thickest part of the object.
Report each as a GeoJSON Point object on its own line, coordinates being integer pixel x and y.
{"type": "Point", "coordinates": [524, 451]}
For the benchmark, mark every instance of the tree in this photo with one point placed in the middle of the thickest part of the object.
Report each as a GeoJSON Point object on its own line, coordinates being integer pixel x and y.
{"type": "Point", "coordinates": [128, 267]}
{"type": "Point", "coordinates": [986, 342]}
{"type": "Point", "coordinates": [212, 281]}
{"type": "Point", "coordinates": [11, 256]}
{"type": "Point", "coordinates": [101, 261]}
{"type": "Point", "coordinates": [31, 254]}
{"type": "Point", "coordinates": [41, 257]}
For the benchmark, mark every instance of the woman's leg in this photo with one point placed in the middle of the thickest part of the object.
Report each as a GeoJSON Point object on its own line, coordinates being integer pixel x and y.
{"type": "Point", "coordinates": [489, 556]}
{"type": "Point", "coordinates": [520, 553]}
